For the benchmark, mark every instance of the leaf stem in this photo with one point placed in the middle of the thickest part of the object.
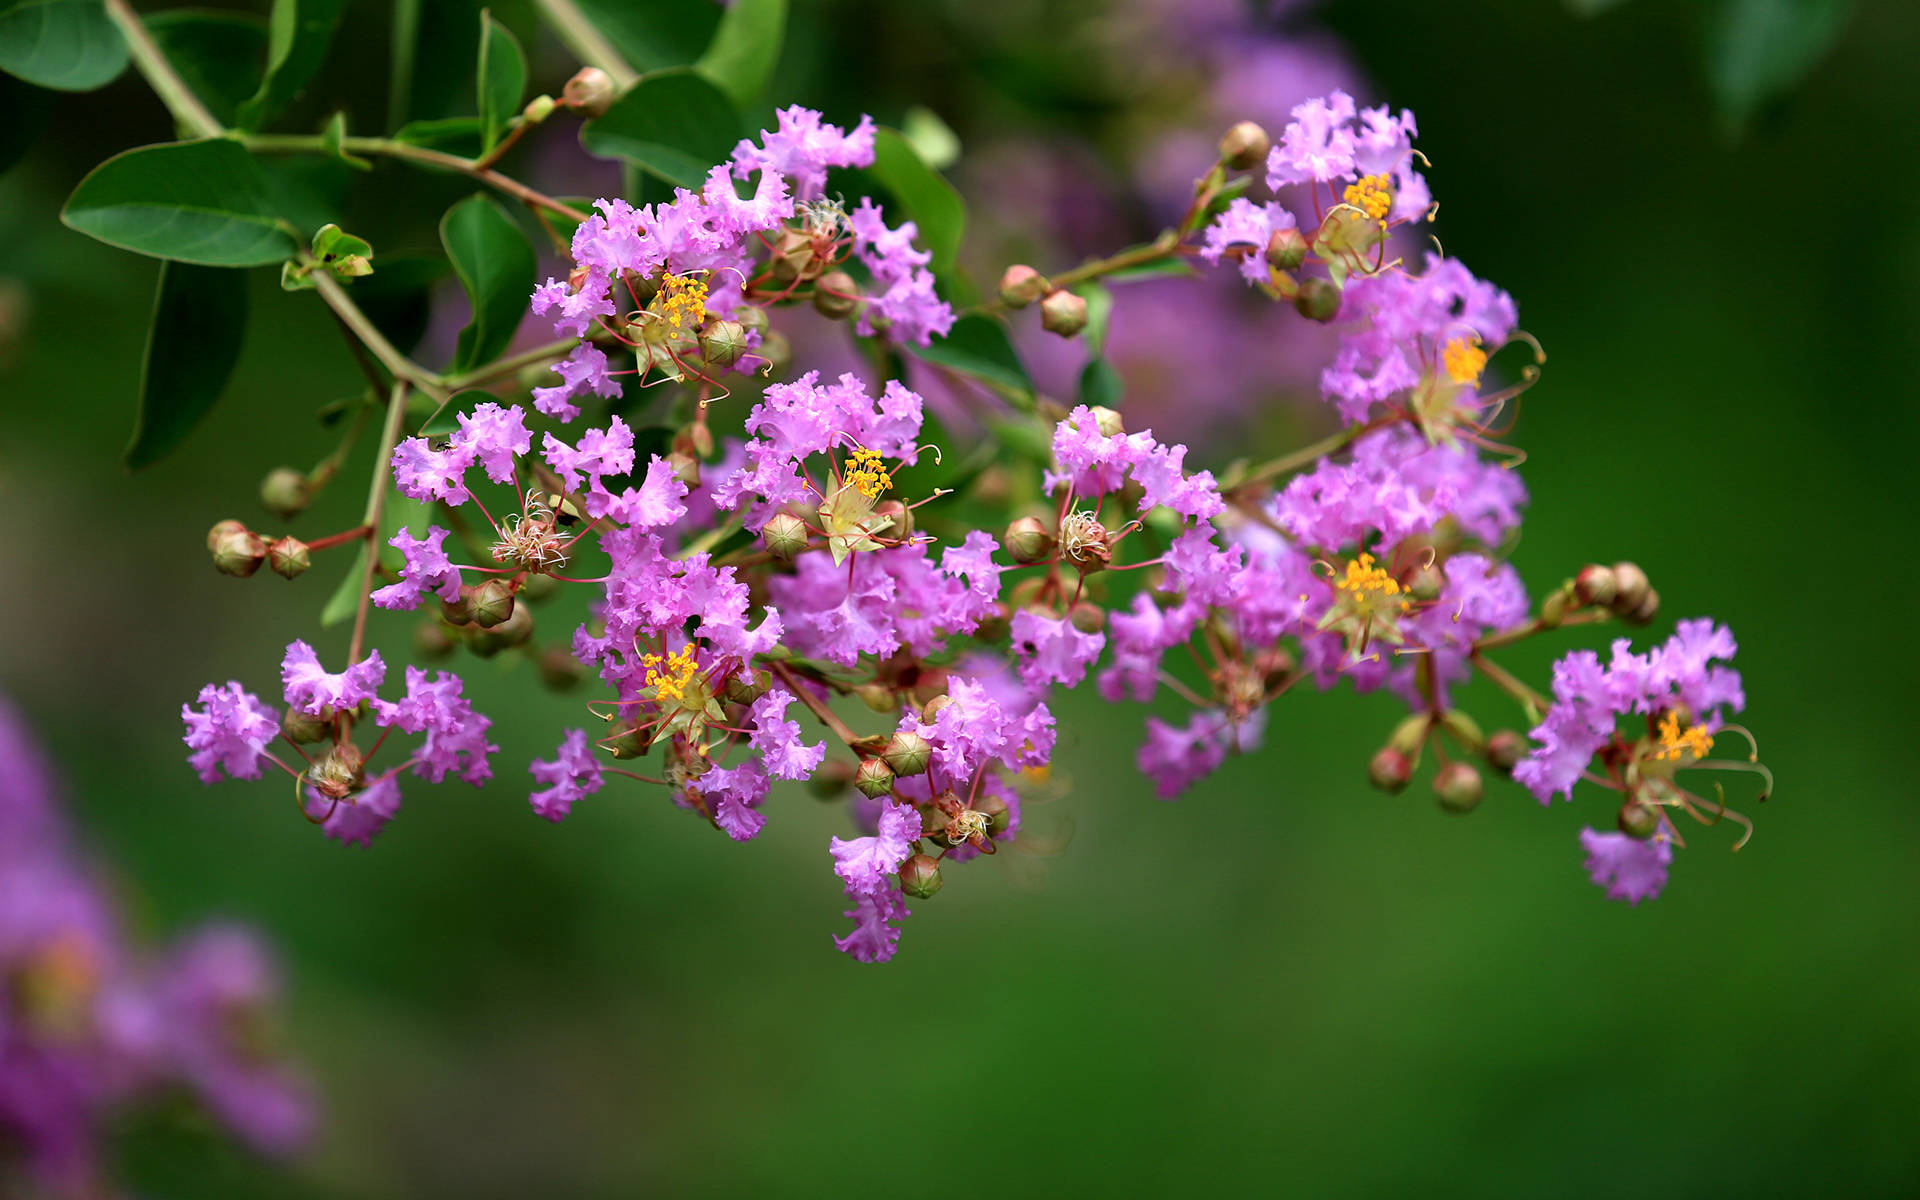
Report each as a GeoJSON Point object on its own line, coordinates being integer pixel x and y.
{"type": "Point", "coordinates": [278, 143]}
{"type": "Point", "coordinates": [1295, 460]}
{"type": "Point", "coordinates": [160, 75]}
{"type": "Point", "coordinates": [376, 505]}
{"type": "Point", "coordinates": [1526, 629]}
{"type": "Point", "coordinates": [814, 706]}
{"type": "Point", "coordinates": [1535, 704]}
{"type": "Point", "coordinates": [402, 367]}
{"type": "Point", "coordinates": [507, 366]}
{"type": "Point", "coordinates": [586, 41]}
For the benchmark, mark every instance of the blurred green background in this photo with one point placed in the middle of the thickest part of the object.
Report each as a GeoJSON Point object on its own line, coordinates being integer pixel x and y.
{"type": "Point", "coordinates": [1285, 982]}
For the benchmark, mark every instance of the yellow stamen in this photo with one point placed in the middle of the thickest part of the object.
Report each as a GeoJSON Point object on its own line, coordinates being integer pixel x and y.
{"type": "Point", "coordinates": [670, 674]}
{"type": "Point", "coordinates": [1373, 195]}
{"type": "Point", "coordinates": [1675, 742]}
{"type": "Point", "coordinates": [1464, 359]}
{"type": "Point", "coordinates": [682, 300]}
{"type": "Point", "coordinates": [867, 474]}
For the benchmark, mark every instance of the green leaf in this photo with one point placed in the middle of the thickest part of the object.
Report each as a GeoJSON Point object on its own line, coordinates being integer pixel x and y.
{"type": "Point", "coordinates": [199, 319]}
{"type": "Point", "coordinates": [652, 34]}
{"type": "Point", "coordinates": [741, 57]}
{"type": "Point", "coordinates": [978, 346]}
{"type": "Point", "coordinates": [67, 45]}
{"type": "Point", "coordinates": [345, 600]}
{"type": "Point", "coordinates": [1759, 49]}
{"type": "Point", "coordinates": [933, 139]}
{"type": "Point", "coordinates": [298, 34]}
{"type": "Point", "coordinates": [1100, 383]}
{"type": "Point", "coordinates": [218, 55]}
{"type": "Point", "coordinates": [501, 82]}
{"type": "Point", "coordinates": [333, 140]}
{"type": "Point", "coordinates": [672, 124]}
{"type": "Point", "coordinates": [455, 135]}
{"type": "Point", "coordinates": [496, 266]}
{"type": "Point", "coordinates": [923, 193]}
{"type": "Point", "coordinates": [200, 202]}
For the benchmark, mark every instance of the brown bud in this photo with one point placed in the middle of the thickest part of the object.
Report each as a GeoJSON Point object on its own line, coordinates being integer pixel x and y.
{"type": "Point", "coordinates": [1595, 584]}
{"type": "Point", "coordinates": [1244, 146]}
{"type": "Point", "coordinates": [1390, 771]}
{"type": "Point", "coordinates": [744, 687]}
{"type": "Point", "coordinates": [1087, 618]}
{"type": "Point", "coordinates": [591, 91]}
{"type": "Point", "coordinates": [1318, 300]}
{"type": "Point", "coordinates": [489, 603]}
{"type": "Point", "coordinates": [1505, 749]}
{"type": "Point", "coordinates": [873, 778]}
{"type": "Point", "coordinates": [306, 730]}
{"type": "Point", "coordinates": [999, 816]}
{"type": "Point", "coordinates": [920, 876]}
{"type": "Point", "coordinates": [1028, 541]}
{"type": "Point", "coordinates": [288, 556]}
{"type": "Point", "coordinates": [284, 492]}
{"type": "Point", "coordinates": [1638, 820]}
{"type": "Point", "coordinates": [1021, 285]}
{"type": "Point", "coordinates": [902, 518]}
{"type": "Point", "coordinates": [559, 669]}
{"type": "Point", "coordinates": [878, 697]}
{"type": "Point", "coordinates": [836, 295]}
{"type": "Point", "coordinates": [685, 467]}
{"type": "Point", "coordinates": [1646, 611]}
{"type": "Point", "coordinates": [237, 550]}
{"type": "Point", "coordinates": [1286, 249]}
{"type": "Point", "coordinates": [1063, 313]}
{"type": "Point", "coordinates": [1459, 787]}
{"type": "Point", "coordinates": [1630, 587]}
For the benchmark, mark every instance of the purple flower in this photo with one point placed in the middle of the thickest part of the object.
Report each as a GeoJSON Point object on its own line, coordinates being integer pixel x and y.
{"type": "Point", "coordinates": [426, 570]}
{"type": "Point", "coordinates": [600, 453]}
{"type": "Point", "coordinates": [358, 819]}
{"type": "Point", "coordinates": [576, 308]}
{"type": "Point", "coordinates": [312, 691]}
{"type": "Point", "coordinates": [1095, 463]}
{"type": "Point", "coordinates": [1628, 868]}
{"type": "Point", "coordinates": [802, 148]}
{"type": "Point", "coordinates": [778, 739]}
{"type": "Point", "coordinates": [573, 774]}
{"type": "Point", "coordinates": [1245, 228]}
{"type": "Point", "coordinates": [230, 733]}
{"type": "Point", "coordinates": [495, 436]}
{"type": "Point", "coordinates": [456, 735]}
{"type": "Point", "coordinates": [1177, 758]}
{"type": "Point", "coordinates": [657, 501]}
{"type": "Point", "coordinates": [1317, 145]}
{"type": "Point", "coordinates": [581, 372]}
{"type": "Point", "coordinates": [735, 794]}
{"type": "Point", "coordinates": [873, 939]}
{"type": "Point", "coordinates": [867, 865]}
{"type": "Point", "coordinates": [1051, 650]}
{"type": "Point", "coordinates": [903, 294]}
{"type": "Point", "coordinates": [423, 473]}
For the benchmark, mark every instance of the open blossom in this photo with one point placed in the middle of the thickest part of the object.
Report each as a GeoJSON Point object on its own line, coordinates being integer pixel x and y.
{"type": "Point", "coordinates": [311, 690]}
{"type": "Point", "coordinates": [572, 775]}
{"type": "Point", "coordinates": [903, 288]}
{"type": "Point", "coordinates": [456, 740]}
{"type": "Point", "coordinates": [357, 819]}
{"type": "Point", "coordinates": [427, 571]}
{"type": "Point", "coordinates": [583, 371]}
{"type": "Point", "coordinates": [1244, 229]}
{"type": "Point", "coordinates": [229, 732]}
{"type": "Point", "coordinates": [1628, 868]}
{"type": "Point", "coordinates": [1051, 650]}
{"type": "Point", "coordinates": [1096, 463]}
{"type": "Point", "coordinates": [867, 864]}
{"type": "Point", "coordinates": [778, 739]}
{"type": "Point", "coordinates": [802, 147]}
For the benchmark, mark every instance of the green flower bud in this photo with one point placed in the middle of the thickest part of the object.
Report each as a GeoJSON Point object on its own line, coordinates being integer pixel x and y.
{"type": "Point", "coordinates": [284, 492]}
{"type": "Point", "coordinates": [784, 535]}
{"type": "Point", "coordinates": [901, 515]}
{"type": "Point", "coordinates": [1505, 749]}
{"type": "Point", "coordinates": [1028, 541]}
{"type": "Point", "coordinates": [237, 550]}
{"type": "Point", "coordinates": [458, 612]}
{"type": "Point", "coordinates": [1638, 820]}
{"type": "Point", "coordinates": [932, 707]}
{"type": "Point", "coordinates": [628, 743]}
{"type": "Point", "coordinates": [288, 556]}
{"type": "Point", "coordinates": [1630, 588]}
{"type": "Point", "coordinates": [920, 876]}
{"type": "Point", "coordinates": [1107, 421]}
{"type": "Point", "coordinates": [752, 318]}
{"type": "Point", "coordinates": [723, 343]}
{"type": "Point", "coordinates": [878, 697]}
{"type": "Point", "coordinates": [998, 814]}
{"type": "Point", "coordinates": [539, 109]}
{"type": "Point", "coordinates": [559, 669]}
{"type": "Point", "coordinates": [535, 589]}
{"type": "Point", "coordinates": [1464, 729]}
{"type": "Point", "coordinates": [306, 730]}
{"type": "Point", "coordinates": [836, 295]}
{"type": "Point", "coordinates": [1021, 285]}
{"type": "Point", "coordinates": [686, 468]}
{"type": "Point", "coordinates": [873, 778]}
{"type": "Point", "coordinates": [1553, 610]}
{"type": "Point", "coordinates": [1390, 771]}
{"type": "Point", "coordinates": [1087, 618]}
{"type": "Point", "coordinates": [1459, 787]}
{"type": "Point", "coordinates": [1426, 583]}
{"type": "Point", "coordinates": [1245, 146]}
{"type": "Point", "coordinates": [699, 438]}
{"type": "Point", "coordinates": [1646, 610]}
{"type": "Point", "coordinates": [907, 753]}
{"type": "Point", "coordinates": [1410, 735]}
{"type": "Point", "coordinates": [1286, 249]}
{"type": "Point", "coordinates": [1595, 584]}
{"type": "Point", "coordinates": [490, 603]}
{"type": "Point", "coordinates": [1063, 313]}
{"type": "Point", "coordinates": [591, 91]}
{"type": "Point", "coordinates": [744, 688]}
{"type": "Point", "coordinates": [1318, 300]}
{"type": "Point", "coordinates": [930, 683]}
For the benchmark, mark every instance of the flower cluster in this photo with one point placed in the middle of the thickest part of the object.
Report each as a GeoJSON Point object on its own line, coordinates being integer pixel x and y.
{"type": "Point", "coordinates": [833, 557]}
{"type": "Point", "coordinates": [91, 1024]}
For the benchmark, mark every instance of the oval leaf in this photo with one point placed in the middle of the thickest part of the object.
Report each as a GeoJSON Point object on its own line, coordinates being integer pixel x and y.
{"type": "Point", "coordinates": [978, 346]}
{"type": "Point", "coordinates": [672, 124]}
{"type": "Point", "coordinates": [924, 195]}
{"type": "Point", "coordinates": [67, 45]}
{"type": "Point", "coordinates": [496, 266]}
{"type": "Point", "coordinates": [501, 81]}
{"type": "Point", "coordinates": [298, 34]}
{"type": "Point", "coordinates": [218, 55]}
{"type": "Point", "coordinates": [741, 57]}
{"type": "Point", "coordinates": [199, 318]}
{"type": "Point", "coordinates": [200, 202]}
{"type": "Point", "coordinates": [651, 34]}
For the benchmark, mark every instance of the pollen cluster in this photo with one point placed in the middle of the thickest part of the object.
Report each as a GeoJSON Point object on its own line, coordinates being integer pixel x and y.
{"type": "Point", "coordinates": [868, 475]}
{"type": "Point", "coordinates": [682, 300]}
{"type": "Point", "coordinates": [1464, 359]}
{"type": "Point", "coordinates": [1368, 586]}
{"type": "Point", "coordinates": [1676, 742]}
{"type": "Point", "coordinates": [669, 674]}
{"type": "Point", "coordinates": [1372, 195]}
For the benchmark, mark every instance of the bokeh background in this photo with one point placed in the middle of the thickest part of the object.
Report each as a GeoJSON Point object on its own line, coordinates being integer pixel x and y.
{"type": "Point", "coordinates": [1285, 981]}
